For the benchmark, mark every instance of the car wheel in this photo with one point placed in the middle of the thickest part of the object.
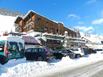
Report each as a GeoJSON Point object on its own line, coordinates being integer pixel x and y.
{"type": "Point", "coordinates": [71, 56]}
{"type": "Point", "coordinates": [78, 56]}
{"type": "Point", "coordinates": [3, 59]}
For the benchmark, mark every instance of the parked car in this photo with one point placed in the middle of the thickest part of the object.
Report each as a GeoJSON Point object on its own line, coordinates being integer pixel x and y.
{"type": "Point", "coordinates": [78, 51]}
{"type": "Point", "coordinates": [99, 50]}
{"type": "Point", "coordinates": [83, 51]}
{"type": "Point", "coordinates": [88, 51]}
{"type": "Point", "coordinates": [66, 52]}
{"type": "Point", "coordinates": [3, 59]}
{"type": "Point", "coordinates": [11, 47]}
{"type": "Point", "coordinates": [37, 54]}
{"type": "Point", "coordinates": [92, 51]}
{"type": "Point", "coordinates": [58, 54]}
{"type": "Point", "coordinates": [71, 54]}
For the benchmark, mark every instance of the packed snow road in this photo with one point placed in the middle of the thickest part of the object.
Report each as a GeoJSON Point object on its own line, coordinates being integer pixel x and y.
{"type": "Point", "coordinates": [92, 70]}
{"type": "Point", "coordinates": [98, 74]}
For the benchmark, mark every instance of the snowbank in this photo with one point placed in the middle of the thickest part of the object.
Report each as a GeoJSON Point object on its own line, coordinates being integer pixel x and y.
{"type": "Point", "coordinates": [23, 68]}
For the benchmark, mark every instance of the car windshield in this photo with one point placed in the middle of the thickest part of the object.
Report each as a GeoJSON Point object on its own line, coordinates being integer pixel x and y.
{"type": "Point", "coordinates": [69, 51]}
{"type": "Point", "coordinates": [74, 49]}
{"type": "Point", "coordinates": [13, 46]}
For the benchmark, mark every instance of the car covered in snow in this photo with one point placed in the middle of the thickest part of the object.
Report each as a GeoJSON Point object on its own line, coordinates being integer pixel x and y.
{"type": "Point", "coordinates": [38, 54]}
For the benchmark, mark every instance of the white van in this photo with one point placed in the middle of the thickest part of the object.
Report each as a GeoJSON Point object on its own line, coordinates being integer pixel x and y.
{"type": "Point", "coordinates": [12, 46]}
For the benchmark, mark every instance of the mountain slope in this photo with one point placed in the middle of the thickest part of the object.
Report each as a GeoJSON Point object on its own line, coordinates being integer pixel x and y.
{"type": "Point", "coordinates": [6, 23]}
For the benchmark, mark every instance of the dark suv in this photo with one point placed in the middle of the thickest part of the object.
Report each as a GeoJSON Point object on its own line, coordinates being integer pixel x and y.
{"type": "Point", "coordinates": [37, 54]}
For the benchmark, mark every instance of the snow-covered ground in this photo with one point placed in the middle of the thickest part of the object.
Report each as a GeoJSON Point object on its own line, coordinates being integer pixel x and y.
{"type": "Point", "coordinates": [23, 68]}
{"type": "Point", "coordinates": [7, 23]}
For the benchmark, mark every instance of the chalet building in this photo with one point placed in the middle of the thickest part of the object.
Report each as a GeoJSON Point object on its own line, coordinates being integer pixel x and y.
{"type": "Point", "coordinates": [37, 23]}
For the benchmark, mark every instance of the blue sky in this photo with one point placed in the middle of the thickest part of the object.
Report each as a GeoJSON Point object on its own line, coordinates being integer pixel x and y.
{"type": "Point", "coordinates": [86, 15]}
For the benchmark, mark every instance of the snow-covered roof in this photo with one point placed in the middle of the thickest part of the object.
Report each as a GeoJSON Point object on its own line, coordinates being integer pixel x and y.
{"type": "Point", "coordinates": [18, 18]}
{"type": "Point", "coordinates": [40, 15]}
{"type": "Point", "coordinates": [28, 13]}
{"type": "Point", "coordinates": [7, 24]}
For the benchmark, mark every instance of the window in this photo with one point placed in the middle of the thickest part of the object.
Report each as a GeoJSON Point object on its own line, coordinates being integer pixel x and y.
{"type": "Point", "coordinates": [17, 28]}
{"type": "Point", "coordinates": [74, 49]}
{"type": "Point", "coordinates": [53, 41]}
{"type": "Point", "coordinates": [102, 42]}
{"type": "Point", "coordinates": [37, 20]}
{"type": "Point", "coordinates": [21, 47]}
{"type": "Point", "coordinates": [52, 30]}
{"type": "Point", "coordinates": [2, 43]}
{"type": "Point", "coordinates": [40, 29]}
{"type": "Point", "coordinates": [29, 27]}
{"type": "Point", "coordinates": [13, 46]}
{"type": "Point", "coordinates": [57, 30]}
{"type": "Point", "coordinates": [35, 50]}
{"type": "Point", "coordinates": [29, 50]}
{"type": "Point", "coordinates": [41, 49]}
{"type": "Point", "coordinates": [38, 35]}
{"type": "Point", "coordinates": [69, 51]}
{"type": "Point", "coordinates": [2, 46]}
{"type": "Point", "coordinates": [98, 49]}
{"type": "Point", "coordinates": [45, 28]}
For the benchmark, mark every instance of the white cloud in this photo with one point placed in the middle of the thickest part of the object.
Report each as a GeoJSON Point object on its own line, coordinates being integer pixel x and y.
{"type": "Point", "coordinates": [73, 16]}
{"type": "Point", "coordinates": [98, 21]}
{"type": "Point", "coordinates": [85, 29]}
{"type": "Point", "coordinates": [91, 1]}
